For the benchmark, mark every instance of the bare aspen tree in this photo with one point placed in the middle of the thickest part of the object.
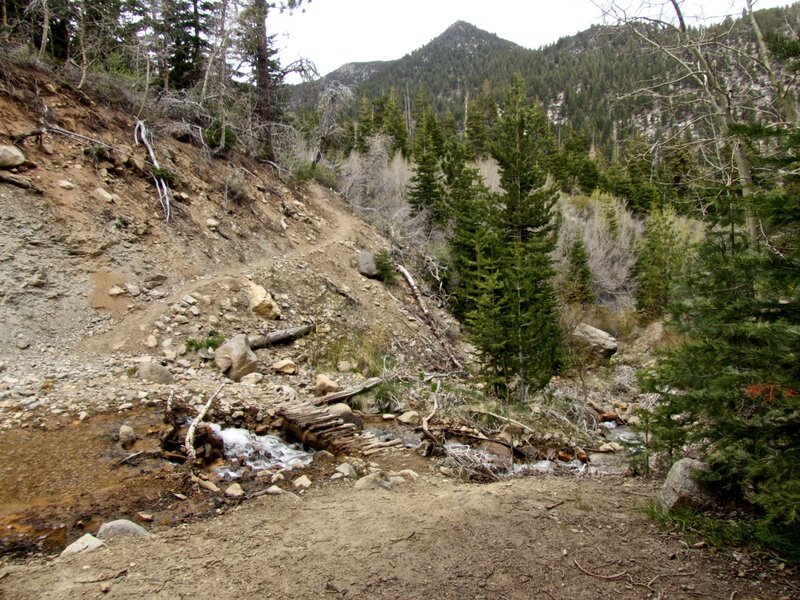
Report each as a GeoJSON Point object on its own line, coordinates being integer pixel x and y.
{"type": "Point", "coordinates": [714, 68]}
{"type": "Point", "coordinates": [784, 94]}
{"type": "Point", "coordinates": [333, 100]}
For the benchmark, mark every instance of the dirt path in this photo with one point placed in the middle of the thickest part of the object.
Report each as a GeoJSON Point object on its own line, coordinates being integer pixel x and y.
{"type": "Point", "coordinates": [545, 537]}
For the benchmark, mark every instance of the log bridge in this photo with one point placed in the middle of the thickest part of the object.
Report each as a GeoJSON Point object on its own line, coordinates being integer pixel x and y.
{"type": "Point", "coordinates": [314, 425]}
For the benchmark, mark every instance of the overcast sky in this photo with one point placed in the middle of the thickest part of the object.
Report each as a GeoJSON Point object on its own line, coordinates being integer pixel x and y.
{"type": "Point", "coordinates": [334, 32]}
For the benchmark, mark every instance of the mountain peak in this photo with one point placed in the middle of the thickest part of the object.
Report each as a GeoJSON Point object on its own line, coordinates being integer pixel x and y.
{"type": "Point", "coordinates": [466, 35]}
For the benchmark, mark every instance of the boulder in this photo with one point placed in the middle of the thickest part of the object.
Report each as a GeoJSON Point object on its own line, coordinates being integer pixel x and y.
{"type": "Point", "coordinates": [119, 528]}
{"type": "Point", "coordinates": [366, 265]}
{"type": "Point", "coordinates": [602, 343]}
{"type": "Point", "coordinates": [683, 489]}
{"type": "Point", "coordinates": [262, 304]}
{"type": "Point", "coordinates": [410, 417]}
{"type": "Point", "coordinates": [324, 385]}
{"type": "Point", "coordinates": [155, 372]}
{"type": "Point", "coordinates": [235, 358]}
{"type": "Point", "coordinates": [85, 543]}
{"type": "Point", "coordinates": [374, 481]}
{"type": "Point", "coordinates": [127, 436]}
{"type": "Point", "coordinates": [10, 157]}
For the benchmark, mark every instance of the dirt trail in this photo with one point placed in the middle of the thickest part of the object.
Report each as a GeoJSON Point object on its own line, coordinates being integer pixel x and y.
{"type": "Point", "coordinates": [554, 537]}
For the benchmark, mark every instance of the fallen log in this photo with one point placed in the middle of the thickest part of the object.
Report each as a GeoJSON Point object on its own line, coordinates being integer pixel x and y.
{"type": "Point", "coordinates": [426, 420]}
{"type": "Point", "coordinates": [19, 182]}
{"type": "Point", "coordinates": [280, 336]}
{"type": "Point", "coordinates": [189, 443]}
{"type": "Point", "coordinates": [414, 289]}
{"type": "Point", "coordinates": [333, 397]}
{"type": "Point", "coordinates": [480, 411]}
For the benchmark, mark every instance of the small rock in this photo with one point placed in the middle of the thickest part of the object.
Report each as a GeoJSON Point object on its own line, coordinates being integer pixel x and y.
{"type": "Point", "coordinates": [103, 195]}
{"type": "Point", "coordinates": [66, 185]}
{"type": "Point", "coordinates": [146, 517]}
{"type": "Point", "coordinates": [285, 366]}
{"type": "Point", "coordinates": [252, 379]}
{"type": "Point", "coordinates": [321, 456]}
{"type": "Point", "coordinates": [302, 483]}
{"type": "Point", "coordinates": [408, 475]}
{"type": "Point", "coordinates": [205, 484]}
{"type": "Point", "coordinates": [85, 543]}
{"type": "Point", "coordinates": [374, 481]}
{"type": "Point", "coordinates": [150, 371]}
{"type": "Point", "coordinates": [344, 366]}
{"type": "Point", "coordinates": [410, 417]}
{"type": "Point", "coordinates": [151, 341]}
{"type": "Point", "coordinates": [347, 470]}
{"type": "Point", "coordinates": [234, 490]}
{"type": "Point", "coordinates": [262, 304]}
{"type": "Point", "coordinates": [447, 471]}
{"type": "Point", "coordinates": [119, 528]}
{"type": "Point", "coordinates": [212, 223]}
{"type": "Point", "coordinates": [324, 385]}
{"type": "Point", "coordinates": [127, 436]}
{"type": "Point", "coordinates": [133, 289]}
{"type": "Point", "coordinates": [339, 409]}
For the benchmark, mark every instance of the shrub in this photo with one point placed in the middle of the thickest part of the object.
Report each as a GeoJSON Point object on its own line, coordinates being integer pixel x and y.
{"type": "Point", "coordinates": [386, 272]}
{"type": "Point", "coordinates": [213, 340]}
{"type": "Point", "coordinates": [322, 174]}
{"type": "Point", "coordinates": [221, 138]}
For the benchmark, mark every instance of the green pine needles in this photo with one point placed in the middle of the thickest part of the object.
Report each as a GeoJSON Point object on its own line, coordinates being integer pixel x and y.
{"type": "Point", "coordinates": [502, 244]}
{"type": "Point", "coordinates": [732, 390]}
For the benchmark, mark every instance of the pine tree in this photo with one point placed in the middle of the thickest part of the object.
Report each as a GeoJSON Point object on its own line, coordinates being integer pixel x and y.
{"type": "Point", "coordinates": [425, 191]}
{"type": "Point", "coordinates": [658, 263]}
{"type": "Point", "coordinates": [578, 283]}
{"type": "Point", "coordinates": [519, 279]}
{"type": "Point", "coordinates": [470, 207]}
{"type": "Point", "coordinates": [481, 116]}
{"type": "Point", "coordinates": [393, 124]}
{"type": "Point", "coordinates": [733, 389]}
{"type": "Point", "coordinates": [366, 125]}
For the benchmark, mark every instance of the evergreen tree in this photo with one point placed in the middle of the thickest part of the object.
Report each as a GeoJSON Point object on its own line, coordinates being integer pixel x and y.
{"type": "Point", "coordinates": [481, 116]}
{"type": "Point", "coordinates": [470, 207]}
{"type": "Point", "coordinates": [578, 283]}
{"type": "Point", "coordinates": [520, 273]}
{"type": "Point", "coordinates": [187, 23]}
{"type": "Point", "coordinates": [394, 125]}
{"type": "Point", "coordinates": [426, 192]}
{"type": "Point", "coordinates": [658, 263]}
{"type": "Point", "coordinates": [366, 125]}
{"type": "Point", "coordinates": [733, 389]}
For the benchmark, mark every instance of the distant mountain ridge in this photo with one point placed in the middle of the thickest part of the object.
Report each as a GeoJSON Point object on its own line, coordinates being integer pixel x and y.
{"type": "Point", "coordinates": [579, 79]}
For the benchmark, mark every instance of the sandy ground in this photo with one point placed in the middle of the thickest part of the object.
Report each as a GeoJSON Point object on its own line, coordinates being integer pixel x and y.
{"type": "Point", "coordinates": [543, 537]}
